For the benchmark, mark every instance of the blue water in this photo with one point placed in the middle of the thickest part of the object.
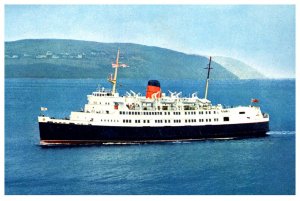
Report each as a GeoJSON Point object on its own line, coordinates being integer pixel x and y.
{"type": "Point", "coordinates": [248, 166]}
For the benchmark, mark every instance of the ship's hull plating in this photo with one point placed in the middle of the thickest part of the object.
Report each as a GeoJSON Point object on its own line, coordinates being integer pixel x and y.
{"type": "Point", "coordinates": [54, 133]}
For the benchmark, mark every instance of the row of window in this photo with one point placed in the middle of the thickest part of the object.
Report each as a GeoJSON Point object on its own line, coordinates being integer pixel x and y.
{"type": "Point", "coordinates": [107, 94]}
{"type": "Point", "coordinates": [143, 113]}
{"type": "Point", "coordinates": [106, 120]}
{"type": "Point", "coordinates": [106, 103]}
{"type": "Point", "coordinates": [200, 112]}
{"type": "Point", "coordinates": [136, 121]}
{"type": "Point", "coordinates": [161, 121]}
{"type": "Point", "coordinates": [190, 120]}
{"type": "Point", "coordinates": [175, 120]}
{"type": "Point", "coordinates": [165, 113]}
{"type": "Point", "coordinates": [201, 120]}
{"type": "Point", "coordinates": [126, 120]}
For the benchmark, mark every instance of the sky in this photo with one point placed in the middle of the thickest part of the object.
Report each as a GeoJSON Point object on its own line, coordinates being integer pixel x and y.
{"type": "Point", "coordinates": [262, 36]}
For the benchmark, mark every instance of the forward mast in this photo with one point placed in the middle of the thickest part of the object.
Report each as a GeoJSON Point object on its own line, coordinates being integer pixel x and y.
{"type": "Point", "coordinates": [114, 79]}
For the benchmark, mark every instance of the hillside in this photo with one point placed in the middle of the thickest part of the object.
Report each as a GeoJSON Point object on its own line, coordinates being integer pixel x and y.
{"type": "Point", "coordinates": [239, 68]}
{"type": "Point", "coordinates": [54, 58]}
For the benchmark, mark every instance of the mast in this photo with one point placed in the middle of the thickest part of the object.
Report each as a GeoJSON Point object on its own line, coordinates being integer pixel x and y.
{"type": "Point", "coordinates": [114, 80]}
{"type": "Point", "coordinates": [207, 79]}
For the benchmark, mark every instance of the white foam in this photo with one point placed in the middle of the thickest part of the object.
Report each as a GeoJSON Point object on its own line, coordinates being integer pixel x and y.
{"type": "Point", "coordinates": [281, 132]}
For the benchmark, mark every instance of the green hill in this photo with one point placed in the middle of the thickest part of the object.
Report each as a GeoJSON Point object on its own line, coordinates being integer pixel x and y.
{"type": "Point", "coordinates": [55, 58]}
{"type": "Point", "coordinates": [239, 68]}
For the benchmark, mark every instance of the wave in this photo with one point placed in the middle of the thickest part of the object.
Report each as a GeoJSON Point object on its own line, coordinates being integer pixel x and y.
{"type": "Point", "coordinates": [281, 132]}
{"type": "Point", "coordinates": [121, 143]}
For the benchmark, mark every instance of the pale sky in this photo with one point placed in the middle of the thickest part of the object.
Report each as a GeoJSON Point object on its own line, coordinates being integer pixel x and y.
{"type": "Point", "coordinates": [262, 36]}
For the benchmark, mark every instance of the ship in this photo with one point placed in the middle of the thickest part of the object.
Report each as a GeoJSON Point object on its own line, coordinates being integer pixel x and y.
{"type": "Point", "coordinates": [109, 118]}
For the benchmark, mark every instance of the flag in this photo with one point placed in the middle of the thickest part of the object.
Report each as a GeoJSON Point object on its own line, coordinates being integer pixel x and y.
{"type": "Point", "coordinates": [44, 109]}
{"type": "Point", "coordinates": [123, 65]}
{"type": "Point", "coordinates": [254, 100]}
{"type": "Point", "coordinates": [119, 65]}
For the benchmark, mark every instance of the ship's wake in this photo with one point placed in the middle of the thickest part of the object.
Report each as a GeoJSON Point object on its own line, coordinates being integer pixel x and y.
{"type": "Point", "coordinates": [281, 133]}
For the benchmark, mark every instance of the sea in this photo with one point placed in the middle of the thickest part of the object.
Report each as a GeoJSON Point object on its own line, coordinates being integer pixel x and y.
{"type": "Point", "coordinates": [255, 166]}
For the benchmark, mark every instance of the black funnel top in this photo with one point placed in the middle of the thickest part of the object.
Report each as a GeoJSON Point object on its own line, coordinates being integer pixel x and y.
{"type": "Point", "coordinates": [154, 83]}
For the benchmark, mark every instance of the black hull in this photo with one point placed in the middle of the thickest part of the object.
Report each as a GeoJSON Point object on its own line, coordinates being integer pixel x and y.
{"type": "Point", "coordinates": [54, 133]}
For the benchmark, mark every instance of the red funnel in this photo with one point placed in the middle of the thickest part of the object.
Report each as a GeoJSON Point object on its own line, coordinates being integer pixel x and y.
{"type": "Point", "coordinates": [152, 88]}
